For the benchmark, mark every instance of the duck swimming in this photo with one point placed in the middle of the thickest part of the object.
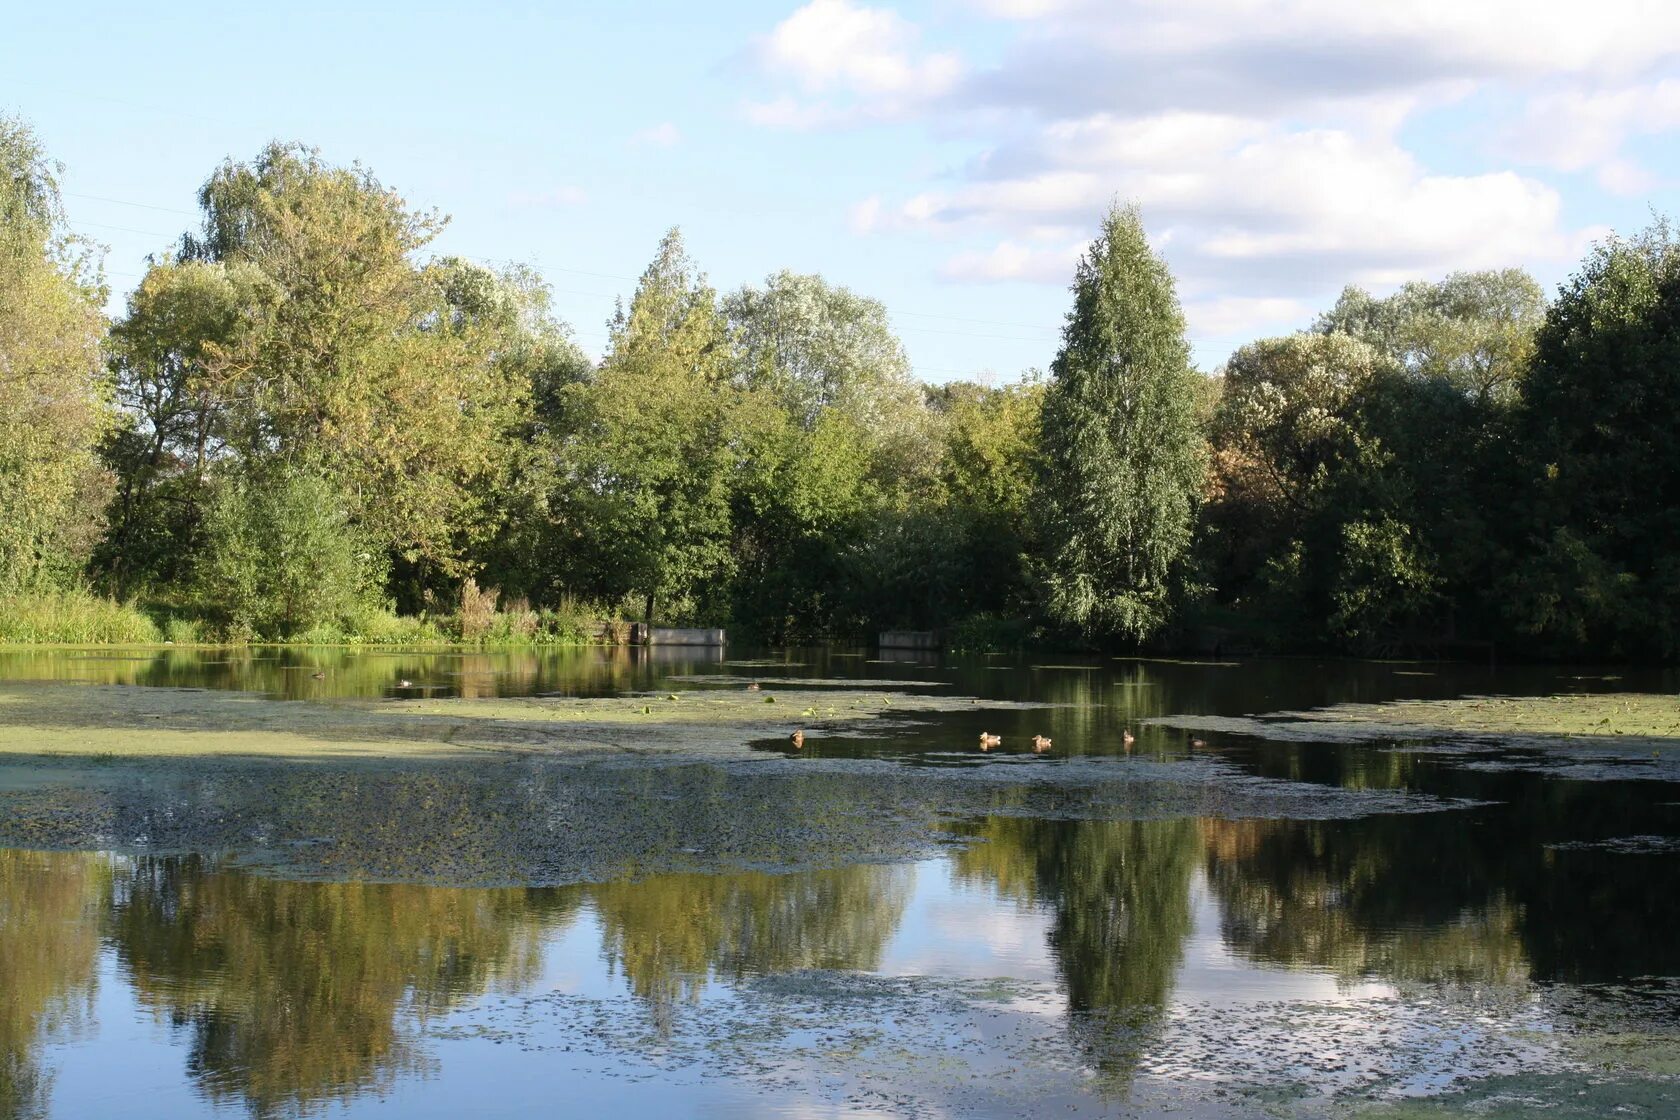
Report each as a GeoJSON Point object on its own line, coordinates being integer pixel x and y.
{"type": "Point", "coordinates": [988, 741]}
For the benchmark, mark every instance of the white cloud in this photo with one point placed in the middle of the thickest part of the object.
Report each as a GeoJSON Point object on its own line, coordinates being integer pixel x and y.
{"type": "Point", "coordinates": [866, 215]}
{"type": "Point", "coordinates": [662, 135]}
{"type": "Point", "coordinates": [1626, 178]}
{"type": "Point", "coordinates": [1244, 316]}
{"type": "Point", "coordinates": [1575, 129]}
{"type": "Point", "coordinates": [857, 62]}
{"type": "Point", "coordinates": [1431, 37]}
{"type": "Point", "coordinates": [1011, 261]}
{"type": "Point", "coordinates": [1265, 140]}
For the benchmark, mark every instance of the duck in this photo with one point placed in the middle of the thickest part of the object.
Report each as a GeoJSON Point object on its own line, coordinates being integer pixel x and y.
{"type": "Point", "coordinates": [405, 683]}
{"type": "Point", "coordinates": [1127, 737]}
{"type": "Point", "coordinates": [988, 740]}
{"type": "Point", "coordinates": [1197, 744]}
{"type": "Point", "coordinates": [318, 675]}
{"type": "Point", "coordinates": [753, 687]}
{"type": "Point", "coordinates": [798, 739]}
{"type": "Point", "coordinates": [1041, 743]}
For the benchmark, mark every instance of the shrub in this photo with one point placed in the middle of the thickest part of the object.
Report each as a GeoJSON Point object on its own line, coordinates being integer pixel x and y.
{"type": "Point", "coordinates": [282, 559]}
{"type": "Point", "coordinates": [183, 631]}
{"type": "Point", "coordinates": [985, 633]}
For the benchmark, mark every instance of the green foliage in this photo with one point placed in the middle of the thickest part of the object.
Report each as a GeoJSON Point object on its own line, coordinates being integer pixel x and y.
{"type": "Point", "coordinates": [650, 454]}
{"type": "Point", "coordinates": [73, 617]}
{"type": "Point", "coordinates": [1122, 458]}
{"type": "Point", "coordinates": [301, 427]}
{"type": "Point", "coordinates": [823, 352]}
{"type": "Point", "coordinates": [169, 355]}
{"type": "Point", "coordinates": [1599, 414]}
{"type": "Point", "coordinates": [1474, 330]}
{"type": "Point", "coordinates": [54, 401]}
{"type": "Point", "coordinates": [355, 358]}
{"type": "Point", "coordinates": [281, 557]}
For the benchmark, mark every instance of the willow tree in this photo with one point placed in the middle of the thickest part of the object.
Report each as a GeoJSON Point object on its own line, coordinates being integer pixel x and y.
{"type": "Point", "coordinates": [54, 402]}
{"type": "Point", "coordinates": [1123, 460]}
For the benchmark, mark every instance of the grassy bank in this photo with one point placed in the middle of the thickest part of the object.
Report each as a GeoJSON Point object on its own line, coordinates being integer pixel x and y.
{"type": "Point", "coordinates": [81, 617]}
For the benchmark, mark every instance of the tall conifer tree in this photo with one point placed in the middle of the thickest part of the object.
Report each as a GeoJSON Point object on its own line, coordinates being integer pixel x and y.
{"type": "Point", "coordinates": [1123, 460]}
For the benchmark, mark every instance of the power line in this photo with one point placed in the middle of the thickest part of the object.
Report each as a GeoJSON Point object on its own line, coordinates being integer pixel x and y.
{"type": "Point", "coordinates": [124, 229]}
{"type": "Point", "coordinates": [139, 205]}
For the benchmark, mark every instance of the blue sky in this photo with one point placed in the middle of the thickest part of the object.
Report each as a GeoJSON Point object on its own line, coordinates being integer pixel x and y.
{"type": "Point", "coordinates": [948, 158]}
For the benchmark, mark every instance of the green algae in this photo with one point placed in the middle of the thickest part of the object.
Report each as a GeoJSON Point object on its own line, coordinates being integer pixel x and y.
{"type": "Point", "coordinates": [53, 718]}
{"type": "Point", "coordinates": [1623, 719]}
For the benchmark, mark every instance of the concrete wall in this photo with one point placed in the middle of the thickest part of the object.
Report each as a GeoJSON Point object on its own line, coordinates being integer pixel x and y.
{"type": "Point", "coordinates": [909, 639]}
{"type": "Point", "coordinates": [671, 636]}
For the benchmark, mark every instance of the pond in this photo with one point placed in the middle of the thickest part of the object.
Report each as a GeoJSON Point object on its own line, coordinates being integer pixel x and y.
{"type": "Point", "coordinates": [279, 882]}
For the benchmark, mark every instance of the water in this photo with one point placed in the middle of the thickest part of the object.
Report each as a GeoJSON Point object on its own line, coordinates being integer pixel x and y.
{"type": "Point", "coordinates": [889, 923]}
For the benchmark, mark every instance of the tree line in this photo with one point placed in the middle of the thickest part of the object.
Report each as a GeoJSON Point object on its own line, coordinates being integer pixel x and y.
{"type": "Point", "coordinates": [305, 425]}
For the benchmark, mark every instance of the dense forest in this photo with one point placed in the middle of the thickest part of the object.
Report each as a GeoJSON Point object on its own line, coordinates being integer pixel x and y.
{"type": "Point", "coordinates": [305, 427]}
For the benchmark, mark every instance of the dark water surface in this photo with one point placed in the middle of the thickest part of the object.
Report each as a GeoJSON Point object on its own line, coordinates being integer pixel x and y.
{"type": "Point", "coordinates": [886, 924]}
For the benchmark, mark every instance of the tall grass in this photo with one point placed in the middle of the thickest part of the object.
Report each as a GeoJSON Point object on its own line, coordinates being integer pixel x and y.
{"type": "Point", "coordinates": [373, 626]}
{"type": "Point", "coordinates": [81, 617]}
{"type": "Point", "coordinates": [72, 618]}
{"type": "Point", "coordinates": [480, 621]}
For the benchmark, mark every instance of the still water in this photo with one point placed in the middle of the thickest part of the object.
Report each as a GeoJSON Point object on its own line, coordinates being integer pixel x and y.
{"type": "Point", "coordinates": [887, 923]}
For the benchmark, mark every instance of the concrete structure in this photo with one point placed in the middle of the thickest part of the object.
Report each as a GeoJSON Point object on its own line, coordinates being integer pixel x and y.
{"type": "Point", "coordinates": [909, 639]}
{"type": "Point", "coordinates": [643, 634]}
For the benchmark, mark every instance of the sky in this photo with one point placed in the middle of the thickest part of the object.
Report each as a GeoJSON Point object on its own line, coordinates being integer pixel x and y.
{"type": "Point", "coordinates": [950, 158]}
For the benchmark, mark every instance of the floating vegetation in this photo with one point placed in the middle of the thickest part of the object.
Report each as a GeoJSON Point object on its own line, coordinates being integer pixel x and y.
{"type": "Point", "coordinates": [1587, 736]}
{"type": "Point", "coordinates": [802, 682]}
{"type": "Point", "coordinates": [934, 1046]}
{"type": "Point", "coordinates": [1623, 845]}
{"type": "Point", "coordinates": [504, 818]}
{"type": "Point", "coordinates": [60, 718]}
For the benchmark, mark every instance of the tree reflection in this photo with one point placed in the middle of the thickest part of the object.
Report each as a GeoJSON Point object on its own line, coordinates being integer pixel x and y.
{"type": "Point", "coordinates": [670, 933]}
{"type": "Point", "coordinates": [299, 992]}
{"type": "Point", "coordinates": [49, 941]}
{"type": "Point", "coordinates": [1120, 895]}
{"type": "Point", "coordinates": [1360, 899]}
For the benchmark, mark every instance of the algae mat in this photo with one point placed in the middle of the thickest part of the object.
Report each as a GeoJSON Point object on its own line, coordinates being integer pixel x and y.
{"type": "Point", "coordinates": [1636, 720]}
{"type": "Point", "coordinates": [58, 718]}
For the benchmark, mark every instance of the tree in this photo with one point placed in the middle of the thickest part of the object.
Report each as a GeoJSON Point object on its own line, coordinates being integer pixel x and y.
{"type": "Point", "coordinates": [1123, 460]}
{"type": "Point", "coordinates": [650, 458]}
{"type": "Point", "coordinates": [821, 349]}
{"type": "Point", "coordinates": [841, 439]}
{"type": "Point", "coordinates": [1474, 330]}
{"type": "Point", "coordinates": [280, 555]}
{"type": "Point", "coordinates": [535, 354]}
{"type": "Point", "coordinates": [1598, 568]}
{"type": "Point", "coordinates": [54, 395]}
{"type": "Point", "coordinates": [359, 362]}
{"type": "Point", "coordinates": [169, 354]}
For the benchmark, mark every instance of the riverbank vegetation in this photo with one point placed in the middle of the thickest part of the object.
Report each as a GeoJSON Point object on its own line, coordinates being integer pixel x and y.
{"type": "Point", "coordinates": [305, 426]}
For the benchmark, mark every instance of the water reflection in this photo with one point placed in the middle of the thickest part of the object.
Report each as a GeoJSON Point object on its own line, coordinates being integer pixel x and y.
{"type": "Point", "coordinates": [1120, 895]}
{"type": "Point", "coordinates": [1091, 701]}
{"type": "Point", "coordinates": [298, 992]}
{"type": "Point", "coordinates": [50, 907]}
{"type": "Point", "coordinates": [282, 994]}
{"type": "Point", "coordinates": [670, 934]}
